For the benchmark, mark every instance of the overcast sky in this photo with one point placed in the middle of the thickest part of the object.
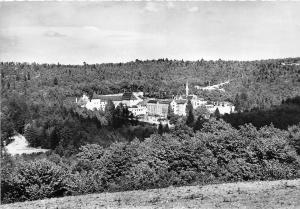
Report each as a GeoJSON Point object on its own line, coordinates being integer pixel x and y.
{"type": "Point", "coordinates": [96, 32]}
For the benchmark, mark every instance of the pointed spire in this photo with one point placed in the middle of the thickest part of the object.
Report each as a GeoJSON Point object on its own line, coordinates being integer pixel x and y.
{"type": "Point", "coordinates": [187, 88]}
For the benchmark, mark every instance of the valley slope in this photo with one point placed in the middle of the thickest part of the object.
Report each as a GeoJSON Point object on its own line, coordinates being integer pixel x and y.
{"type": "Point", "coordinates": [259, 194]}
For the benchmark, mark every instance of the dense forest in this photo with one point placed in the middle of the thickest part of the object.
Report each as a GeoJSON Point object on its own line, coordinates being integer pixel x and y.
{"type": "Point", "coordinates": [281, 116]}
{"type": "Point", "coordinates": [255, 84]}
{"type": "Point", "coordinates": [40, 95]}
{"type": "Point", "coordinates": [216, 153]}
{"type": "Point", "coordinates": [117, 152]}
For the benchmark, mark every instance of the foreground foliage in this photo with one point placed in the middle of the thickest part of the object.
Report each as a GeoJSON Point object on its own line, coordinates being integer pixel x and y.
{"type": "Point", "coordinates": [216, 153]}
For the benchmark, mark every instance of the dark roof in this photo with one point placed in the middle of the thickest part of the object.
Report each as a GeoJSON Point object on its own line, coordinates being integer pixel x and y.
{"type": "Point", "coordinates": [187, 97]}
{"type": "Point", "coordinates": [165, 102]}
{"type": "Point", "coordinates": [108, 97]}
{"type": "Point", "coordinates": [143, 103]}
{"type": "Point", "coordinates": [181, 101]}
{"type": "Point", "coordinates": [190, 97]}
{"type": "Point", "coordinates": [128, 96]}
{"type": "Point", "coordinates": [152, 101]}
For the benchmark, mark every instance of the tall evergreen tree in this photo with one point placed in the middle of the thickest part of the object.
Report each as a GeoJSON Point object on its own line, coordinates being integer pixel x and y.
{"type": "Point", "coordinates": [55, 81]}
{"type": "Point", "coordinates": [237, 103]}
{"type": "Point", "coordinates": [121, 116]}
{"type": "Point", "coordinates": [217, 113]}
{"type": "Point", "coordinates": [109, 112]}
{"type": "Point", "coordinates": [160, 129]}
{"type": "Point", "coordinates": [190, 114]}
{"type": "Point", "coordinates": [31, 135]}
{"type": "Point", "coordinates": [199, 123]}
{"type": "Point", "coordinates": [166, 128]}
{"type": "Point", "coordinates": [189, 107]}
{"type": "Point", "coordinates": [53, 138]}
{"type": "Point", "coordinates": [170, 112]}
{"type": "Point", "coordinates": [190, 119]}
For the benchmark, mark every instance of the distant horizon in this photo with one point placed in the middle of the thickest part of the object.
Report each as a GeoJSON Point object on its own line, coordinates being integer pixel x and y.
{"type": "Point", "coordinates": [118, 32]}
{"type": "Point", "coordinates": [214, 60]}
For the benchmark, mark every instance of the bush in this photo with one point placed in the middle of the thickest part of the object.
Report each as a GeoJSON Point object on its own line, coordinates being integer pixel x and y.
{"type": "Point", "coordinates": [32, 136]}
{"type": "Point", "coordinates": [294, 136]}
{"type": "Point", "coordinates": [140, 176]}
{"type": "Point", "coordinates": [35, 180]}
{"type": "Point", "coordinates": [85, 182]}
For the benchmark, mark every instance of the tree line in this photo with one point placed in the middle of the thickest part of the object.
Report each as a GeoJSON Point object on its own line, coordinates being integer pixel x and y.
{"type": "Point", "coordinates": [281, 116]}
{"type": "Point", "coordinates": [253, 84]}
{"type": "Point", "coordinates": [217, 153]}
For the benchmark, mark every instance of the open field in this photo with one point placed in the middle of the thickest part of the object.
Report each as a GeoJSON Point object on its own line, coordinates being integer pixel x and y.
{"type": "Point", "coordinates": [20, 146]}
{"type": "Point", "coordinates": [260, 194]}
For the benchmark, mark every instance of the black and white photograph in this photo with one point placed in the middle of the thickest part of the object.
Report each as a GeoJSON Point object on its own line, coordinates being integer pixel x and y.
{"type": "Point", "coordinates": [150, 104]}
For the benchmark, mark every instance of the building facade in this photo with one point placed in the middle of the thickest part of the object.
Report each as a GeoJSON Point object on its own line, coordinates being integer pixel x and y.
{"type": "Point", "coordinates": [138, 110]}
{"type": "Point", "coordinates": [98, 102]}
{"type": "Point", "coordinates": [224, 107]}
{"type": "Point", "coordinates": [179, 107]}
{"type": "Point", "coordinates": [159, 108]}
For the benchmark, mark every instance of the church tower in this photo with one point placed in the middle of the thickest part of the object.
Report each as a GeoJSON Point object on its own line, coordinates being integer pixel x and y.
{"type": "Point", "coordinates": [187, 88]}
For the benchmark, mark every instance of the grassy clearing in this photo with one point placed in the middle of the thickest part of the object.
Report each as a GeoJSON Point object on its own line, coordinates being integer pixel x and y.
{"type": "Point", "coordinates": [260, 194]}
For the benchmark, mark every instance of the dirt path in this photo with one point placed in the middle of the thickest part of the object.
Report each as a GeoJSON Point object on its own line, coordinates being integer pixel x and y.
{"type": "Point", "coordinates": [20, 146]}
{"type": "Point", "coordinates": [264, 194]}
{"type": "Point", "coordinates": [214, 87]}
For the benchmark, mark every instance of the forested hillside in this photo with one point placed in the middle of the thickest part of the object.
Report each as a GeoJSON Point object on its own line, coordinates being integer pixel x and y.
{"type": "Point", "coordinates": [116, 152]}
{"type": "Point", "coordinates": [41, 96]}
{"type": "Point", "coordinates": [264, 83]}
{"type": "Point", "coordinates": [281, 116]}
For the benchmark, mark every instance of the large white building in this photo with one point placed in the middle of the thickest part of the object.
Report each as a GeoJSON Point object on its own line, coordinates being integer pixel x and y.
{"type": "Point", "coordinates": [153, 108]}
{"type": "Point", "coordinates": [179, 103]}
{"type": "Point", "coordinates": [224, 107]}
{"type": "Point", "coordinates": [98, 102]}
{"type": "Point", "coordinates": [179, 106]}
{"type": "Point", "coordinates": [138, 110]}
{"type": "Point", "coordinates": [158, 107]}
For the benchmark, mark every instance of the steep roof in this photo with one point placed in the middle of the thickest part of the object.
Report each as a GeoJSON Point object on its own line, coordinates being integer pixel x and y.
{"type": "Point", "coordinates": [190, 97]}
{"type": "Point", "coordinates": [108, 97]}
{"type": "Point", "coordinates": [116, 97]}
{"type": "Point", "coordinates": [144, 102]}
{"type": "Point", "coordinates": [165, 102]}
{"type": "Point", "coordinates": [180, 101]}
{"type": "Point", "coordinates": [152, 101]}
{"type": "Point", "coordinates": [128, 96]}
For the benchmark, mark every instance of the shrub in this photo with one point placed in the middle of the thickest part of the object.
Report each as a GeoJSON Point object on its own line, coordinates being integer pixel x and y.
{"type": "Point", "coordinates": [85, 182]}
{"type": "Point", "coordinates": [140, 176]}
{"type": "Point", "coordinates": [294, 137]}
{"type": "Point", "coordinates": [36, 180]}
{"type": "Point", "coordinates": [31, 134]}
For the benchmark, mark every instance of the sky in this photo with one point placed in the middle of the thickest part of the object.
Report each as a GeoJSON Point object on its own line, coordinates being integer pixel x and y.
{"type": "Point", "coordinates": [101, 32]}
